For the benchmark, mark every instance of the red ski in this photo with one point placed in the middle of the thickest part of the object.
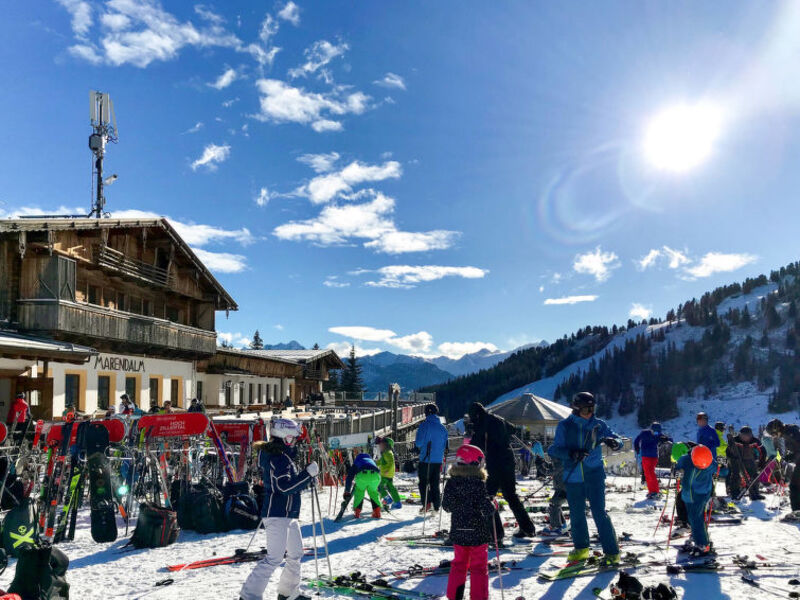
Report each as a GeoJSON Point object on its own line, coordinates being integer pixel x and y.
{"type": "Point", "coordinates": [174, 425]}
{"type": "Point", "coordinates": [3, 432]}
{"type": "Point", "coordinates": [116, 430]}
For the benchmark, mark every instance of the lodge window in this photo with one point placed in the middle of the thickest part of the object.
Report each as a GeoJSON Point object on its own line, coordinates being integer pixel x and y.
{"type": "Point", "coordinates": [146, 308]}
{"type": "Point", "coordinates": [174, 391]}
{"type": "Point", "coordinates": [199, 394]}
{"type": "Point", "coordinates": [153, 391]}
{"type": "Point", "coordinates": [130, 389]}
{"type": "Point", "coordinates": [229, 395]}
{"type": "Point", "coordinates": [71, 390]}
{"type": "Point", "coordinates": [103, 391]}
{"type": "Point", "coordinates": [121, 301]}
{"type": "Point", "coordinates": [260, 398]}
{"type": "Point", "coordinates": [136, 305]}
{"type": "Point", "coordinates": [94, 294]}
{"type": "Point", "coordinates": [172, 314]}
{"type": "Point", "coordinates": [252, 400]}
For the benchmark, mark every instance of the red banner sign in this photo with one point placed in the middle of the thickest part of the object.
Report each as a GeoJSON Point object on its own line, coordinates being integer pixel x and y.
{"type": "Point", "coordinates": [174, 425]}
{"type": "Point", "coordinates": [234, 433]}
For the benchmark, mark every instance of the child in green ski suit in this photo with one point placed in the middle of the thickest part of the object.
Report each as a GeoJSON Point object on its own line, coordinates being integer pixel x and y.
{"type": "Point", "coordinates": [386, 464]}
{"type": "Point", "coordinates": [363, 477]}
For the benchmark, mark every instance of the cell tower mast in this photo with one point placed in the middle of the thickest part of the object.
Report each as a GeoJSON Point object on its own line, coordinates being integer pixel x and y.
{"type": "Point", "coordinates": [104, 129]}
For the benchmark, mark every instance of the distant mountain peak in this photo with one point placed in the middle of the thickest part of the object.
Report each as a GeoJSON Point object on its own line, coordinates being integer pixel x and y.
{"type": "Point", "coordinates": [292, 345]}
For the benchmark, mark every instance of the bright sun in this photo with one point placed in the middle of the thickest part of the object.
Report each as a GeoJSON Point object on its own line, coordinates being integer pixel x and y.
{"type": "Point", "coordinates": [682, 136]}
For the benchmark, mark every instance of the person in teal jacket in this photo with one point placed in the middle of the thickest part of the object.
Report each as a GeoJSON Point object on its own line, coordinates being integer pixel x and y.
{"type": "Point", "coordinates": [699, 468]}
{"type": "Point", "coordinates": [577, 445]}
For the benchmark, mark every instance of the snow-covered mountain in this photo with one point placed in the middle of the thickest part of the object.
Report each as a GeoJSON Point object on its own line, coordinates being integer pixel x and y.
{"type": "Point", "coordinates": [482, 359]}
{"type": "Point", "coordinates": [292, 345]}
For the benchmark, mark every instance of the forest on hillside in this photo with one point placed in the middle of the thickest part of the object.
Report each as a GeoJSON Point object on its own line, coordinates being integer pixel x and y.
{"type": "Point", "coordinates": [650, 372]}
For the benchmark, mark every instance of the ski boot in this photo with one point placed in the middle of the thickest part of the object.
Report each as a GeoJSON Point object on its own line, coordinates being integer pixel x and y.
{"type": "Point", "coordinates": [297, 597]}
{"type": "Point", "coordinates": [376, 512]}
{"type": "Point", "coordinates": [357, 513]}
{"type": "Point", "coordinates": [578, 555]}
{"type": "Point", "coordinates": [521, 534]}
{"type": "Point", "coordinates": [702, 552]}
{"type": "Point", "coordinates": [387, 500]}
{"type": "Point", "coordinates": [425, 508]}
{"type": "Point", "coordinates": [396, 505]}
{"type": "Point", "coordinates": [610, 560]}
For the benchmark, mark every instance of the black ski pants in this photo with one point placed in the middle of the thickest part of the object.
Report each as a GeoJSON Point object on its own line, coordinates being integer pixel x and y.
{"type": "Point", "coordinates": [429, 480]}
{"type": "Point", "coordinates": [794, 488]}
{"type": "Point", "coordinates": [505, 480]}
{"type": "Point", "coordinates": [743, 470]}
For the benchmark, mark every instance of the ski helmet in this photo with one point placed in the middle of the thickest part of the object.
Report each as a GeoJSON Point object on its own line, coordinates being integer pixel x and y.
{"type": "Point", "coordinates": [719, 426]}
{"type": "Point", "coordinates": [469, 455]}
{"type": "Point", "coordinates": [702, 415]}
{"type": "Point", "coordinates": [583, 400]}
{"type": "Point", "coordinates": [656, 426]}
{"type": "Point", "coordinates": [701, 457]}
{"type": "Point", "coordinates": [285, 429]}
{"type": "Point", "coordinates": [775, 427]}
{"type": "Point", "coordinates": [431, 409]}
{"type": "Point", "coordinates": [678, 449]}
{"type": "Point", "coordinates": [747, 430]}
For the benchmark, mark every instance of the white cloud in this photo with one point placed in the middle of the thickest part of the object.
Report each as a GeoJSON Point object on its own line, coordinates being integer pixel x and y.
{"type": "Point", "coordinates": [236, 340]}
{"type": "Point", "coordinates": [194, 234]}
{"type": "Point", "coordinates": [269, 27]}
{"type": "Point", "coordinates": [343, 349]}
{"type": "Point", "coordinates": [279, 327]}
{"type": "Point", "coordinates": [81, 13]}
{"type": "Point", "coordinates": [35, 211]}
{"type": "Point", "coordinates": [282, 103]}
{"type": "Point", "coordinates": [541, 289]}
{"type": "Point", "coordinates": [639, 312]}
{"type": "Point", "coordinates": [263, 197]}
{"type": "Point", "coordinates": [408, 276]}
{"type": "Point", "coordinates": [365, 334]}
{"type": "Point", "coordinates": [391, 80]}
{"type": "Point", "coordinates": [332, 281]}
{"type": "Point", "coordinates": [212, 156]}
{"type": "Point", "coordinates": [138, 32]}
{"type": "Point", "coordinates": [326, 187]}
{"type": "Point", "coordinates": [416, 342]}
{"type": "Point", "coordinates": [291, 13]}
{"type": "Point", "coordinates": [718, 262]}
{"type": "Point", "coordinates": [224, 80]}
{"type": "Point", "coordinates": [456, 350]}
{"type": "Point", "coordinates": [223, 262]}
{"type": "Point", "coordinates": [596, 263]}
{"type": "Point", "coordinates": [262, 56]}
{"type": "Point", "coordinates": [318, 55]}
{"type": "Point", "coordinates": [321, 163]}
{"type": "Point", "coordinates": [675, 258]}
{"type": "Point", "coordinates": [336, 225]}
{"type": "Point", "coordinates": [569, 300]}
{"type": "Point", "coordinates": [209, 15]}
{"type": "Point", "coordinates": [194, 129]}
{"type": "Point", "coordinates": [231, 102]}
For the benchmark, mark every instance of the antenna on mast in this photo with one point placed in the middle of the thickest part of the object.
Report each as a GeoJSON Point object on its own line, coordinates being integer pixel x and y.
{"type": "Point", "coordinates": [104, 129]}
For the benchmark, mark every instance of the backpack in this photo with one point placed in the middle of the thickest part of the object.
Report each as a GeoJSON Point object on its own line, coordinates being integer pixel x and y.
{"type": "Point", "coordinates": [40, 574]}
{"type": "Point", "coordinates": [241, 509]}
{"type": "Point", "coordinates": [20, 528]}
{"type": "Point", "coordinates": [155, 527]}
{"type": "Point", "coordinates": [14, 487]}
{"type": "Point", "coordinates": [205, 508]}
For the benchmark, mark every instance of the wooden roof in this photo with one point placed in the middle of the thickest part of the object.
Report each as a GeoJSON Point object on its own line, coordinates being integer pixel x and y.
{"type": "Point", "coordinates": [83, 223]}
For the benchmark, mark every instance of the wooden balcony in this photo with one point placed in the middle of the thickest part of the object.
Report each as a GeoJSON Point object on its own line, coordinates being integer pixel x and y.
{"type": "Point", "coordinates": [313, 374]}
{"type": "Point", "coordinates": [129, 268]}
{"type": "Point", "coordinates": [95, 325]}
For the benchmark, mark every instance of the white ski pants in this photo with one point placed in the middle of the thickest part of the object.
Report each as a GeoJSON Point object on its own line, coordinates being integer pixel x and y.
{"type": "Point", "coordinates": [283, 537]}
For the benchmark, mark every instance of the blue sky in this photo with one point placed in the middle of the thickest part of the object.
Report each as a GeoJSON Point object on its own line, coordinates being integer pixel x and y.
{"type": "Point", "coordinates": [423, 177]}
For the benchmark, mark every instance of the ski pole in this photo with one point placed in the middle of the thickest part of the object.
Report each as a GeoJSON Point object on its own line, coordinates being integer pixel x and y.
{"type": "Point", "coordinates": [253, 537]}
{"type": "Point", "coordinates": [444, 481]}
{"type": "Point", "coordinates": [314, 527]}
{"type": "Point", "coordinates": [497, 553]}
{"type": "Point", "coordinates": [427, 487]}
{"type": "Point", "coordinates": [755, 479]}
{"type": "Point", "coordinates": [672, 519]}
{"type": "Point", "coordinates": [324, 537]}
{"type": "Point", "coordinates": [666, 501]}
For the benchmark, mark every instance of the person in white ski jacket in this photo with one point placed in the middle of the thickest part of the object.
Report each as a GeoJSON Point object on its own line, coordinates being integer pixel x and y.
{"type": "Point", "coordinates": [279, 513]}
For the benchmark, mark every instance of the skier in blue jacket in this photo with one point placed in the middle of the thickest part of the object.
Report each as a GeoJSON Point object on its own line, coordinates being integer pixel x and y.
{"type": "Point", "coordinates": [699, 469]}
{"type": "Point", "coordinates": [279, 512]}
{"type": "Point", "coordinates": [646, 446]}
{"type": "Point", "coordinates": [577, 445]}
{"type": "Point", "coordinates": [431, 441]}
{"type": "Point", "coordinates": [707, 435]}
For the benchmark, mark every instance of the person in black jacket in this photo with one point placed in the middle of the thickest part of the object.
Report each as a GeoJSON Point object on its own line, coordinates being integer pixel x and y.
{"type": "Point", "coordinates": [791, 436]}
{"type": "Point", "coordinates": [466, 498]}
{"type": "Point", "coordinates": [746, 458]}
{"type": "Point", "coordinates": [492, 434]}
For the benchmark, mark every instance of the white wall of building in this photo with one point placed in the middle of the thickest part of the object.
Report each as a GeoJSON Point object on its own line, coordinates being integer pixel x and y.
{"type": "Point", "coordinates": [244, 389]}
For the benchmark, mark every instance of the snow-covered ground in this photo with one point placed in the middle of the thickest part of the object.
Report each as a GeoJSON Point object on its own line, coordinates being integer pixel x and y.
{"type": "Point", "coordinates": [102, 571]}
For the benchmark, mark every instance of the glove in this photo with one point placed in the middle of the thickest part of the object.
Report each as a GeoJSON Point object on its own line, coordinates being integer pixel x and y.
{"type": "Point", "coordinates": [313, 468]}
{"type": "Point", "coordinates": [612, 443]}
{"type": "Point", "coordinates": [347, 496]}
{"type": "Point", "coordinates": [578, 455]}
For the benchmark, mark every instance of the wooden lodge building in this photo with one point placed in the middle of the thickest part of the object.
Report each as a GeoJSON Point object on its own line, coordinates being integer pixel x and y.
{"type": "Point", "coordinates": [94, 308]}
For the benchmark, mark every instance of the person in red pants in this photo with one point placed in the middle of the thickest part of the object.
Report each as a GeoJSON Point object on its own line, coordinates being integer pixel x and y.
{"type": "Point", "coordinates": [646, 445]}
{"type": "Point", "coordinates": [472, 511]}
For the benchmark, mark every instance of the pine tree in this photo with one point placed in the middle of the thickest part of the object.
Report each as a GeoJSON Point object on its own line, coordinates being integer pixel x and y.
{"type": "Point", "coordinates": [315, 347]}
{"type": "Point", "coordinates": [257, 343]}
{"type": "Point", "coordinates": [746, 316]}
{"type": "Point", "coordinates": [332, 384]}
{"type": "Point", "coordinates": [351, 376]}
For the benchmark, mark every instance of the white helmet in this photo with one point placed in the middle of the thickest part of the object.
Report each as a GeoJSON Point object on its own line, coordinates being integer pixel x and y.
{"type": "Point", "coordinates": [285, 429]}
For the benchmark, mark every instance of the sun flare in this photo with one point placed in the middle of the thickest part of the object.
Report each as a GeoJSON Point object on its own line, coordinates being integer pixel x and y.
{"type": "Point", "coordinates": [682, 137]}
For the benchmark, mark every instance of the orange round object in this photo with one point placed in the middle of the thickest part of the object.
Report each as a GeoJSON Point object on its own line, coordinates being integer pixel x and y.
{"type": "Point", "coordinates": [701, 457]}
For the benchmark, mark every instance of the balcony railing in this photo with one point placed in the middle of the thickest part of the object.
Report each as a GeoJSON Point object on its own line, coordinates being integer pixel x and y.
{"type": "Point", "coordinates": [315, 374]}
{"type": "Point", "coordinates": [109, 258]}
{"type": "Point", "coordinates": [90, 322]}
